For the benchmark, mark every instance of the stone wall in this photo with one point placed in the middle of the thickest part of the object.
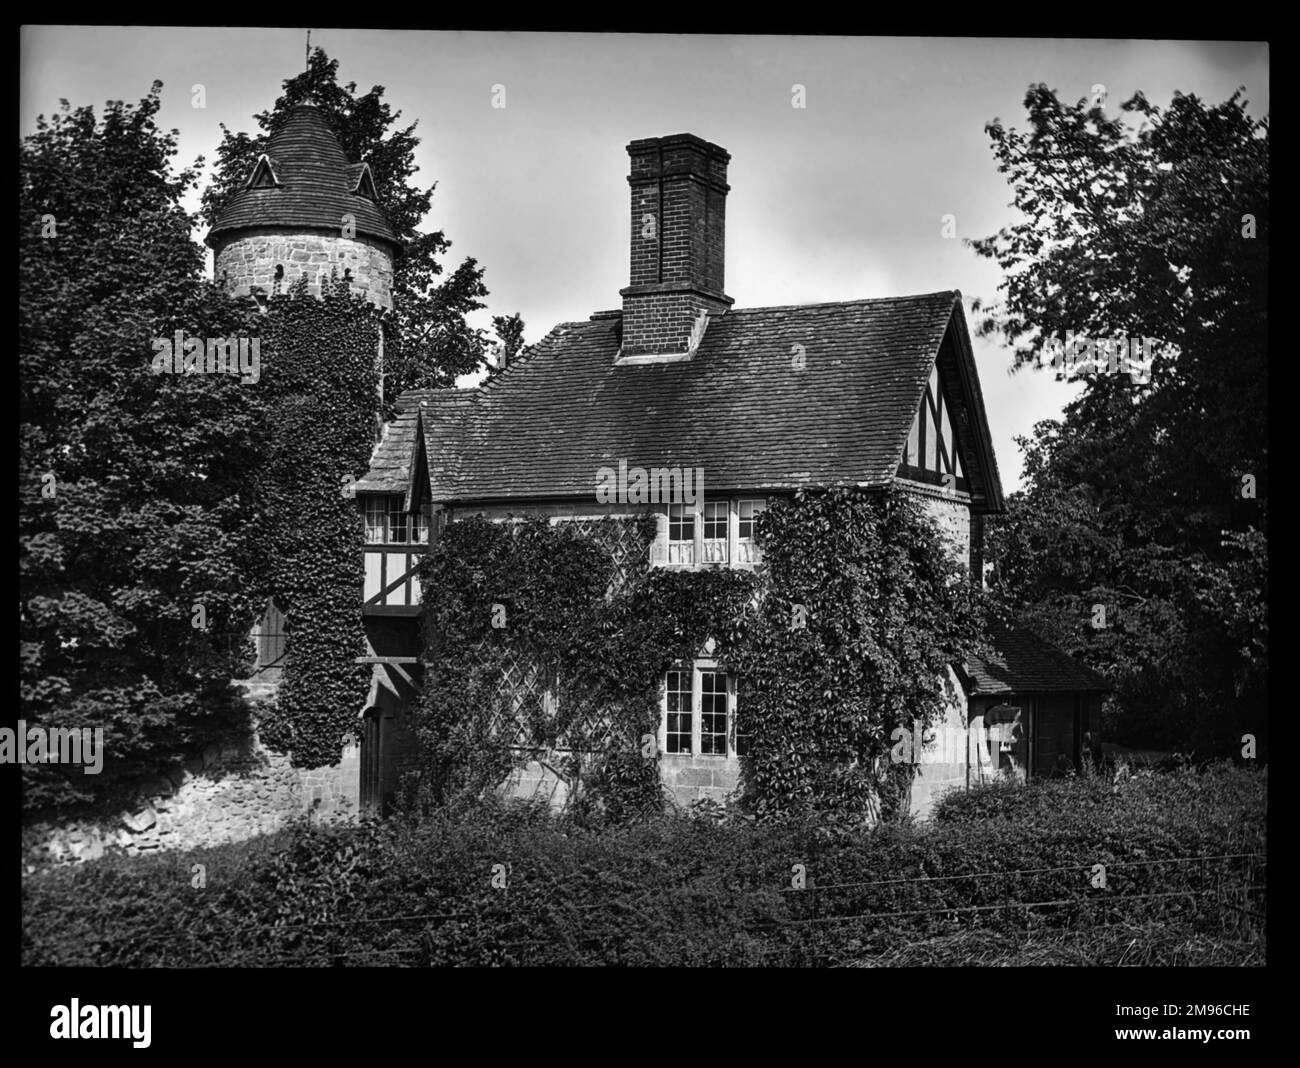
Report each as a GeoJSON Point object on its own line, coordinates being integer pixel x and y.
{"type": "Point", "coordinates": [696, 777]}
{"type": "Point", "coordinates": [535, 781]}
{"type": "Point", "coordinates": [232, 791]}
{"type": "Point", "coordinates": [942, 755]}
{"type": "Point", "coordinates": [251, 257]}
{"type": "Point", "coordinates": [951, 512]}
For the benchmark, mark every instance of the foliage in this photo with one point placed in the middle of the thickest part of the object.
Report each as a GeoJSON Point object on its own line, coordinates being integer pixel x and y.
{"type": "Point", "coordinates": [677, 891]}
{"type": "Point", "coordinates": [433, 342]}
{"type": "Point", "coordinates": [142, 523]}
{"type": "Point", "coordinates": [886, 612]}
{"type": "Point", "coordinates": [510, 341]}
{"type": "Point", "coordinates": [1136, 225]}
{"type": "Point", "coordinates": [321, 383]}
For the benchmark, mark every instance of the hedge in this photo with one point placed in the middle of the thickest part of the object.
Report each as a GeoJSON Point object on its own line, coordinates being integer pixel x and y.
{"type": "Point", "coordinates": [690, 889]}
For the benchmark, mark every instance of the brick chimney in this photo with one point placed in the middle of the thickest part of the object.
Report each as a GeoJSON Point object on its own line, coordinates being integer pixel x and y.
{"type": "Point", "coordinates": [679, 201]}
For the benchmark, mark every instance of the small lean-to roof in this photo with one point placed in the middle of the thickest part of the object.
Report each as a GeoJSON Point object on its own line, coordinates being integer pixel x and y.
{"type": "Point", "coordinates": [315, 185]}
{"type": "Point", "coordinates": [1022, 662]}
{"type": "Point", "coordinates": [780, 398]}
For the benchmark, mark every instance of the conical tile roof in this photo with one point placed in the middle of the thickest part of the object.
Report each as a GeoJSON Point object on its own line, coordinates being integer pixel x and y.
{"type": "Point", "coordinates": [311, 185]}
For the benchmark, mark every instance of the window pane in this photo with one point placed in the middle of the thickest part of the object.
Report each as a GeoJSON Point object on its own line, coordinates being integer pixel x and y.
{"type": "Point", "coordinates": [396, 520]}
{"type": "Point", "coordinates": [715, 532]}
{"type": "Point", "coordinates": [681, 534]}
{"type": "Point", "coordinates": [746, 551]}
{"type": "Point", "coordinates": [376, 513]}
{"type": "Point", "coordinates": [678, 727]}
{"type": "Point", "coordinates": [715, 520]}
{"type": "Point", "coordinates": [713, 712]}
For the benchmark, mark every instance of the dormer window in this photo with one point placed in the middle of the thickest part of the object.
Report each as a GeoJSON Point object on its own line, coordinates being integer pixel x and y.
{"type": "Point", "coordinates": [388, 522]}
{"type": "Point", "coordinates": [263, 176]}
{"type": "Point", "coordinates": [365, 186]}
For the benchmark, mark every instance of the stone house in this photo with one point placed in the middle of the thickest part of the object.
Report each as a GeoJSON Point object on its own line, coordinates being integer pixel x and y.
{"type": "Point", "coordinates": [759, 402]}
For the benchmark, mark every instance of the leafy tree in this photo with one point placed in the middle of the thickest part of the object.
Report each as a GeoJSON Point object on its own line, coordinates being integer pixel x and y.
{"type": "Point", "coordinates": [434, 342]}
{"type": "Point", "coordinates": [133, 617]}
{"type": "Point", "coordinates": [1148, 224]}
{"type": "Point", "coordinates": [510, 340]}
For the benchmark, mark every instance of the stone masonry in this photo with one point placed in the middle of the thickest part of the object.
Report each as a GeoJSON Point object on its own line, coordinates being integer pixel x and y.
{"type": "Point", "coordinates": [232, 791]}
{"type": "Point", "coordinates": [251, 258]}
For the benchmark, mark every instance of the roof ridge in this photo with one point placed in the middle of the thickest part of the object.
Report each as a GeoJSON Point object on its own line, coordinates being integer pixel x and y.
{"type": "Point", "coordinates": [491, 383]}
{"type": "Point", "coordinates": [953, 293]}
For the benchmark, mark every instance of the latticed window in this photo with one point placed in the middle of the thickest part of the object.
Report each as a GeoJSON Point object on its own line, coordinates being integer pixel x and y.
{"type": "Point", "coordinates": [681, 534]}
{"type": "Point", "coordinates": [678, 737]}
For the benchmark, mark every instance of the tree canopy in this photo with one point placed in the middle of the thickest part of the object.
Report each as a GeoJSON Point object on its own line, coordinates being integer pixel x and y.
{"type": "Point", "coordinates": [1149, 497]}
{"type": "Point", "coordinates": [434, 342]}
{"type": "Point", "coordinates": [132, 485]}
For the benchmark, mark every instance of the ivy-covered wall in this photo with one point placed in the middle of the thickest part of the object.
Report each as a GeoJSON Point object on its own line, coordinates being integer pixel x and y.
{"type": "Point", "coordinates": [547, 639]}
{"type": "Point", "coordinates": [322, 377]}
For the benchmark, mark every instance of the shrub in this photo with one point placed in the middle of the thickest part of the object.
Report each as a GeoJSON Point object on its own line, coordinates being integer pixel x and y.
{"type": "Point", "coordinates": [703, 890]}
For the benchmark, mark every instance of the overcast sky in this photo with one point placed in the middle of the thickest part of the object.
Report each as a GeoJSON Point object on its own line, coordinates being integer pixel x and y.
{"type": "Point", "coordinates": [839, 200]}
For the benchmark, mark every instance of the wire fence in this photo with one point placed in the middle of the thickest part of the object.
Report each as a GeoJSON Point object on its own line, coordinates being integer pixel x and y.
{"type": "Point", "coordinates": [1231, 895]}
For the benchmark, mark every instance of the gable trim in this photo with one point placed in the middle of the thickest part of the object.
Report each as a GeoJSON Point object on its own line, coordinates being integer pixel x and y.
{"type": "Point", "coordinates": [262, 171]}
{"type": "Point", "coordinates": [973, 398]}
{"type": "Point", "coordinates": [418, 488]}
{"type": "Point", "coordinates": [365, 184]}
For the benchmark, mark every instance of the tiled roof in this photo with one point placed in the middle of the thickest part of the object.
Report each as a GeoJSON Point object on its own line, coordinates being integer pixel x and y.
{"type": "Point", "coordinates": [390, 463]}
{"type": "Point", "coordinates": [739, 408]}
{"type": "Point", "coordinates": [315, 185]}
{"type": "Point", "coordinates": [1022, 662]}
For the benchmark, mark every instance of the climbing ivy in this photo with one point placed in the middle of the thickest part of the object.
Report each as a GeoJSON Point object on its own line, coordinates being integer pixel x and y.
{"type": "Point", "coordinates": [839, 637]}
{"type": "Point", "coordinates": [863, 611]}
{"type": "Point", "coordinates": [321, 377]}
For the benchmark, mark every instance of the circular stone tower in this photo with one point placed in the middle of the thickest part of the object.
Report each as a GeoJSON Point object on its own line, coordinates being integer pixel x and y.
{"type": "Point", "coordinates": [305, 210]}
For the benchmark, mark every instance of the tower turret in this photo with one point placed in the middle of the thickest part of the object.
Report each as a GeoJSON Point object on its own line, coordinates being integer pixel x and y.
{"type": "Point", "coordinates": [305, 210]}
